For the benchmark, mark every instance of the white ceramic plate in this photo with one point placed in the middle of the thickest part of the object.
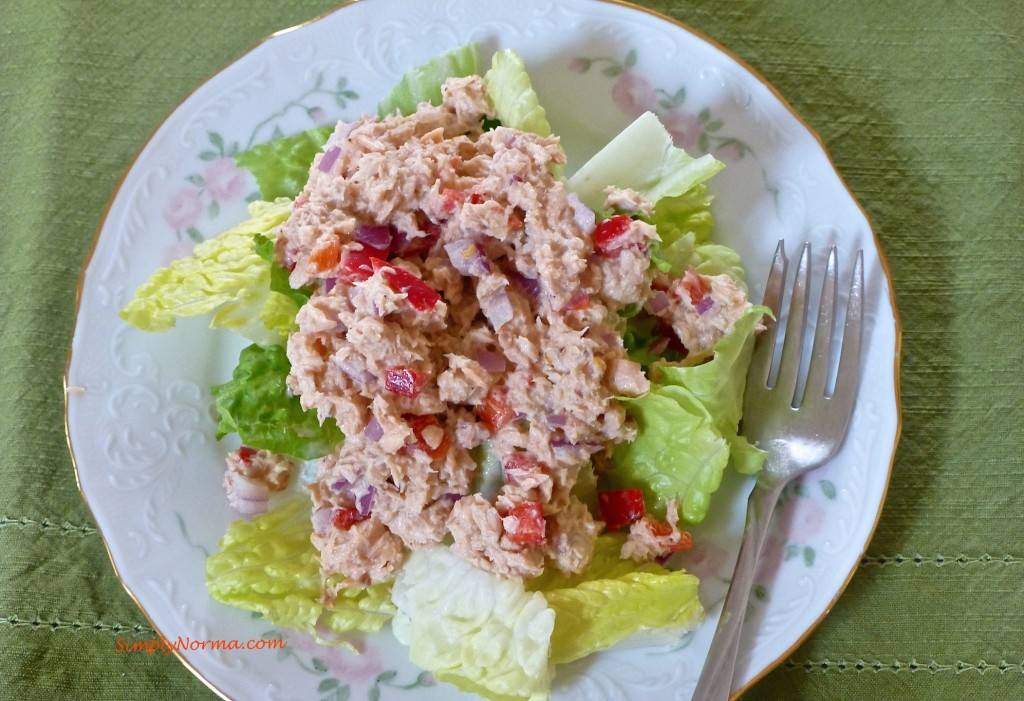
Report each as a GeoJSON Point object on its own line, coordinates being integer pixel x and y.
{"type": "Point", "coordinates": [139, 415]}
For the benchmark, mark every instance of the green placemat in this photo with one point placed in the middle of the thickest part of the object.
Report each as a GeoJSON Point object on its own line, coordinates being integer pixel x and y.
{"type": "Point", "coordinates": [920, 105]}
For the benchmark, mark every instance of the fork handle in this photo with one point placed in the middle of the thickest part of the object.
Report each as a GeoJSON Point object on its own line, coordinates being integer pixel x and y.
{"type": "Point", "coordinates": [715, 681]}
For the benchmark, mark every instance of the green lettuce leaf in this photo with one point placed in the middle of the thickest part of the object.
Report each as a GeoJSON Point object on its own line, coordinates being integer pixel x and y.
{"type": "Point", "coordinates": [719, 385]}
{"type": "Point", "coordinates": [643, 158]}
{"type": "Point", "coordinates": [615, 600]}
{"type": "Point", "coordinates": [687, 428]}
{"type": "Point", "coordinates": [224, 277]}
{"type": "Point", "coordinates": [281, 166]}
{"type": "Point", "coordinates": [489, 476]}
{"type": "Point", "coordinates": [423, 83]}
{"type": "Point", "coordinates": [483, 633]}
{"type": "Point", "coordinates": [677, 454]}
{"type": "Point", "coordinates": [683, 214]}
{"type": "Point", "coordinates": [268, 565]}
{"type": "Point", "coordinates": [257, 405]}
{"type": "Point", "coordinates": [515, 103]}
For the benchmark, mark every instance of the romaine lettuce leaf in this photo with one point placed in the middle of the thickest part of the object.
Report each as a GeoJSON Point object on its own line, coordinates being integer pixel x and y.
{"type": "Point", "coordinates": [616, 600]}
{"type": "Point", "coordinates": [483, 633]}
{"type": "Point", "coordinates": [257, 405]}
{"type": "Point", "coordinates": [281, 166]}
{"type": "Point", "coordinates": [719, 384]}
{"type": "Point", "coordinates": [423, 83]}
{"type": "Point", "coordinates": [688, 428]}
{"type": "Point", "coordinates": [642, 158]}
{"type": "Point", "coordinates": [677, 453]}
{"type": "Point", "coordinates": [269, 565]}
{"type": "Point", "coordinates": [224, 277]}
{"type": "Point", "coordinates": [515, 103]}
{"type": "Point", "coordinates": [683, 214]}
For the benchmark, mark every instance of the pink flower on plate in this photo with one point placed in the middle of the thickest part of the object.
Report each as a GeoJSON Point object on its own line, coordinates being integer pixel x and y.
{"type": "Point", "coordinates": [224, 180]}
{"type": "Point", "coordinates": [633, 94]}
{"type": "Point", "coordinates": [706, 559]}
{"type": "Point", "coordinates": [731, 151]}
{"type": "Point", "coordinates": [683, 126]}
{"type": "Point", "coordinates": [359, 666]}
{"type": "Point", "coordinates": [183, 209]}
{"type": "Point", "coordinates": [580, 64]}
{"type": "Point", "coordinates": [773, 554]}
{"type": "Point", "coordinates": [806, 520]}
{"type": "Point", "coordinates": [317, 114]}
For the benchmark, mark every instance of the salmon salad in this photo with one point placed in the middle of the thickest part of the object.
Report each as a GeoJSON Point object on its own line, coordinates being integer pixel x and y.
{"type": "Point", "coordinates": [470, 370]}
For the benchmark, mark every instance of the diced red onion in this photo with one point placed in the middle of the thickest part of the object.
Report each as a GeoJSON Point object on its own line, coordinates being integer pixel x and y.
{"type": "Point", "coordinates": [377, 237]}
{"type": "Point", "coordinates": [658, 302]}
{"type": "Point", "coordinates": [329, 284]}
{"type": "Point", "coordinates": [530, 285]}
{"type": "Point", "coordinates": [583, 215]}
{"type": "Point", "coordinates": [356, 373]}
{"type": "Point", "coordinates": [468, 258]}
{"type": "Point", "coordinates": [330, 157]}
{"type": "Point", "coordinates": [341, 485]}
{"type": "Point", "coordinates": [557, 419]}
{"type": "Point", "coordinates": [250, 507]}
{"type": "Point", "coordinates": [373, 431]}
{"type": "Point", "coordinates": [246, 496]}
{"type": "Point", "coordinates": [246, 489]}
{"type": "Point", "coordinates": [341, 131]}
{"type": "Point", "coordinates": [364, 501]}
{"type": "Point", "coordinates": [705, 304]}
{"type": "Point", "coordinates": [322, 519]}
{"type": "Point", "coordinates": [490, 361]}
{"type": "Point", "coordinates": [497, 308]}
{"type": "Point", "coordinates": [453, 496]}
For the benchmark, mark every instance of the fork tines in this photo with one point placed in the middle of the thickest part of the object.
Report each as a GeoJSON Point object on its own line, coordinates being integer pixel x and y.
{"type": "Point", "coordinates": [815, 384]}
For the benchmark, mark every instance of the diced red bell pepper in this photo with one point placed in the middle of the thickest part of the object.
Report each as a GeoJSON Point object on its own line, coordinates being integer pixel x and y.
{"type": "Point", "coordinates": [245, 453]}
{"type": "Point", "coordinates": [695, 287]}
{"type": "Point", "coordinates": [358, 266]}
{"type": "Point", "coordinates": [660, 529]}
{"type": "Point", "coordinates": [608, 233]}
{"type": "Point", "coordinates": [419, 424]}
{"type": "Point", "coordinates": [405, 382]}
{"type": "Point", "coordinates": [450, 200]}
{"type": "Point", "coordinates": [420, 295]}
{"type": "Point", "coordinates": [496, 411]}
{"type": "Point", "coordinates": [526, 525]}
{"type": "Point", "coordinates": [345, 517]}
{"type": "Point", "coordinates": [620, 507]}
{"type": "Point", "coordinates": [579, 300]}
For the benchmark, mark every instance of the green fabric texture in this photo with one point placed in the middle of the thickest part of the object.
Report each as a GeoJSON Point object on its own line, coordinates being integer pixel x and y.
{"type": "Point", "coordinates": [920, 106]}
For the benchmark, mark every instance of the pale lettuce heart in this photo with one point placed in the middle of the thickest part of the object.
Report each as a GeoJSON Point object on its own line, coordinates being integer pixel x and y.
{"type": "Point", "coordinates": [483, 633]}
{"type": "Point", "coordinates": [641, 157]}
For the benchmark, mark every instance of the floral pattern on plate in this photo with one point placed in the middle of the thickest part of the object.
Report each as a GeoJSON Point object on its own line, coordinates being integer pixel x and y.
{"type": "Point", "coordinates": [633, 93]}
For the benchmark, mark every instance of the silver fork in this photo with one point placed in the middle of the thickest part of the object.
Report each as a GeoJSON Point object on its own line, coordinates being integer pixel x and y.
{"type": "Point", "coordinates": [800, 427]}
